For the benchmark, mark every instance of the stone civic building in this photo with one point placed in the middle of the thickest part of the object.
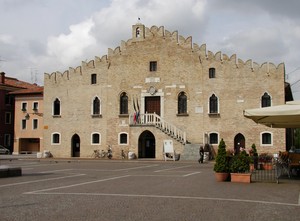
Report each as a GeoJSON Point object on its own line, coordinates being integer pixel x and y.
{"type": "Point", "coordinates": [160, 86]}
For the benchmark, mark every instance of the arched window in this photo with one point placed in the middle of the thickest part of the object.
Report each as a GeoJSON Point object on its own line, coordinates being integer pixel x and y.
{"type": "Point", "coordinates": [182, 103]}
{"type": "Point", "coordinates": [212, 73]}
{"type": "Point", "coordinates": [213, 104]}
{"type": "Point", "coordinates": [123, 103]}
{"type": "Point", "coordinates": [56, 107]}
{"type": "Point", "coordinates": [55, 139]}
{"type": "Point", "coordinates": [96, 106]}
{"type": "Point", "coordinates": [137, 32]}
{"type": "Point", "coordinates": [266, 100]}
{"type": "Point", "coordinates": [213, 138]}
{"type": "Point", "coordinates": [123, 138]}
{"type": "Point", "coordinates": [96, 138]}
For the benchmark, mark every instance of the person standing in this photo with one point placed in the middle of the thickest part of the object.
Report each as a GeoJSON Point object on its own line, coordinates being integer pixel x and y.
{"type": "Point", "coordinates": [201, 153]}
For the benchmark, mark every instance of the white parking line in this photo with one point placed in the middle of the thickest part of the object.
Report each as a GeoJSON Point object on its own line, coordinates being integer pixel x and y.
{"type": "Point", "coordinates": [135, 168]}
{"type": "Point", "coordinates": [78, 184]}
{"type": "Point", "coordinates": [173, 168]}
{"type": "Point", "coordinates": [190, 174]}
{"type": "Point", "coordinates": [34, 165]}
{"type": "Point", "coordinates": [43, 180]}
{"type": "Point", "coordinates": [52, 171]}
{"type": "Point", "coordinates": [170, 197]}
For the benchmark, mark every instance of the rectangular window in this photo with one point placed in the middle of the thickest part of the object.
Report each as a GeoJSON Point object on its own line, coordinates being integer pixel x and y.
{"type": "Point", "coordinates": [96, 139]}
{"type": "Point", "coordinates": [212, 73]}
{"type": "Point", "coordinates": [7, 140]}
{"type": "Point", "coordinates": [23, 124]}
{"type": "Point", "coordinates": [213, 138]}
{"type": "Point", "coordinates": [24, 106]}
{"type": "Point", "coordinates": [8, 99]}
{"type": "Point", "coordinates": [7, 118]}
{"type": "Point", "coordinates": [266, 138]}
{"type": "Point", "coordinates": [55, 138]}
{"type": "Point", "coordinates": [153, 65]}
{"type": "Point", "coordinates": [94, 79]}
{"type": "Point", "coordinates": [123, 138]}
{"type": "Point", "coordinates": [35, 106]}
{"type": "Point", "coordinates": [35, 124]}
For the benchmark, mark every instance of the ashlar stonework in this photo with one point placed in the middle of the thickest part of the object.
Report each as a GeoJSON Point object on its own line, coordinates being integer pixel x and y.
{"type": "Point", "coordinates": [173, 88]}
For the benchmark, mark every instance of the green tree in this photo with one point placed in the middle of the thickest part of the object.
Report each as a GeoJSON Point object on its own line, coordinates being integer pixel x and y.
{"type": "Point", "coordinates": [222, 162]}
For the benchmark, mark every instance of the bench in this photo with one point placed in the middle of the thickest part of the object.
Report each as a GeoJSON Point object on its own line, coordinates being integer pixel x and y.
{"type": "Point", "coordinates": [289, 162]}
{"type": "Point", "coordinates": [294, 161]}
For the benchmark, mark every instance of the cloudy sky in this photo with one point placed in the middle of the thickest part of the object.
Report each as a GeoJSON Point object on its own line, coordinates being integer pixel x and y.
{"type": "Point", "coordinates": [44, 36]}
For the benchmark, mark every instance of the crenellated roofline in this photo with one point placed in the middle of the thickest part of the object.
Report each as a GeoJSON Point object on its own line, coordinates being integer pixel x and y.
{"type": "Point", "coordinates": [160, 32]}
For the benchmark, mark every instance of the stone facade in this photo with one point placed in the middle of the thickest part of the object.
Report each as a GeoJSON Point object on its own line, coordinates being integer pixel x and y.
{"type": "Point", "coordinates": [158, 66]}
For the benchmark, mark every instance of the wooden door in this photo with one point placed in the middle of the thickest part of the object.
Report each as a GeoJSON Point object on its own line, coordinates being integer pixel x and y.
{"type": "Point", "coordinates": [152, 105]}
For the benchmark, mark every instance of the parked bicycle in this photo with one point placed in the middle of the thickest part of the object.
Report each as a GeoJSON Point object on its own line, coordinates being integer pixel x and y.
{"type": "Point", "coordinates": [109, 152]}
{"type": "Point", "coordinates": [96, 154]}
{"type": "Point", "coordinates": [123, 154]}
{"type": "Point", "coordinates": [103, 153]}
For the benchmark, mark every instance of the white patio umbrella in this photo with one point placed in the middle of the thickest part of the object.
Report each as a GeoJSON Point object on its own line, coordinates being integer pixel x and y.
{"type": "Point", "coordinates": [280, 116]}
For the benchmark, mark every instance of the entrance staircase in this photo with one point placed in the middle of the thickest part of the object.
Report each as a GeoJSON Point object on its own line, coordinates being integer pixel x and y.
{"type": "Point", "coordinates": [153, 119]}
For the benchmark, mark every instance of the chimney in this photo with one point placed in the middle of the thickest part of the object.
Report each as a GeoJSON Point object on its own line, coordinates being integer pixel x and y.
{"type": "Point", "coordinates": [2, 78]}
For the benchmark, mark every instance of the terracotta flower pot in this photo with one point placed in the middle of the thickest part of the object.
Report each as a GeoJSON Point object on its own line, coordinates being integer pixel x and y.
{"type": "Point", "coordinates": [221, 177]}
{"type": "Point", "coordinates": [240, 177]}
{"type": "Point", "coordinates": [267, 166]}
{"type": "Point", "coordinates": [251, 167]}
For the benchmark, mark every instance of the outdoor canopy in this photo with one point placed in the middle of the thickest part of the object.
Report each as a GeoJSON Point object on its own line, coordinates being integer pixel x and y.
{"type": "Point", "coordinates": [280, 116]}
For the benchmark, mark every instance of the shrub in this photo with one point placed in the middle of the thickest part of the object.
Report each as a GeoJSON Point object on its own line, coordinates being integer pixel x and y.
{"type": "Point", "coordinates": [222, 161]}
{"type": "Point", "coordinates": [240, 163]}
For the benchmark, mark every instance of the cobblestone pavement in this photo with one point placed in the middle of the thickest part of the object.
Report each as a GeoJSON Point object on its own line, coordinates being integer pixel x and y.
{"type": "Point", "coordinates": [69, 189]}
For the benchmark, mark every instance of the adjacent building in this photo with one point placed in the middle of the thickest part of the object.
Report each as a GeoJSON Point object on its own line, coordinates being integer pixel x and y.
{"type": "Point", "coordinates": [28, 137]}
{"type": "Point", "coordinates": [8, 86]}
{"type": "Point", "coordinates": [160, 86]}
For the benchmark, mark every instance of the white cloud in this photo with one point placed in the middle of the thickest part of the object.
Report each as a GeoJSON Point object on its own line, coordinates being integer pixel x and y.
{"type": "Point", "coordinates": [107, 27]}
{"type": "Point", "coordinates": [258, 44]}
{"type": "Point", "coordinates": [67, 47]}
{"type": "Point", "coordinates": [60, 34]}
{"type": "Point", "coordinates": [6, 39]}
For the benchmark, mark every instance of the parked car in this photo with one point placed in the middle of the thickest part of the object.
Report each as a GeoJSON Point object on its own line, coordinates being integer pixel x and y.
{"type": "Point", "coordinates": [4, 150]}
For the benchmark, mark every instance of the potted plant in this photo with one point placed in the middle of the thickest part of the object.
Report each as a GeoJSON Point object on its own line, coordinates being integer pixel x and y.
{"type": "Point", "coordinates": [221, 166]}
{"type": "Point", "coordinates": [265, 161]}
{"type": "Point", "coordinates": [254, 155]}
{"type": "Point", "coordinates": [240, 166]}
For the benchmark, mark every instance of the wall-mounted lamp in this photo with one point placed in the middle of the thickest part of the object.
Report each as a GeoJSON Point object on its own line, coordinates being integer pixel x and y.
{"type": "Point", "coordinates": [27, 116]}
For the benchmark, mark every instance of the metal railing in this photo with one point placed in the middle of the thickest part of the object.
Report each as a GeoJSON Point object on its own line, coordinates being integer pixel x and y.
{"type": "Point", "coordinates": [153, 119]}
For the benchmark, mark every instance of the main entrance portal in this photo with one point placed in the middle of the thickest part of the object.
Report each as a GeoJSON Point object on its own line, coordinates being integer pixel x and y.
{"type": "Point", "coordinates": [146, 145]}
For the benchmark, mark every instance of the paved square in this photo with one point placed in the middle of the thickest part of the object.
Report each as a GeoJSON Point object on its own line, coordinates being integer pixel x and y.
{"type": "Point", "coordinates": [139, 190]}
